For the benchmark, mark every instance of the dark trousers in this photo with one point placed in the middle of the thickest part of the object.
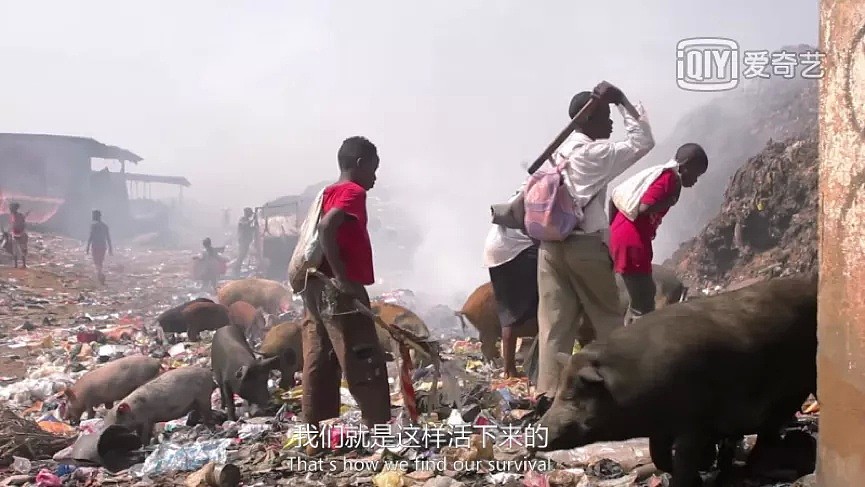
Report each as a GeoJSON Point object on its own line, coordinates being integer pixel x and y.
{"type": "Point", "coordinates": [346, 342]}
{"type": "Point", "coordinates": [242, 253]}
{"type": "Point", "coordinates": [641, 291]}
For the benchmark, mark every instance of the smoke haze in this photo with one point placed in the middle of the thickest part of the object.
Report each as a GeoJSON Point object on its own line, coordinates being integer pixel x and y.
{"type": "Point", "coordinates": [250, 100]}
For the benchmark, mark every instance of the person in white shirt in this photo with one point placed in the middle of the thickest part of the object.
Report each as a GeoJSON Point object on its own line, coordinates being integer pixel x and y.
{"type": "Point", "coordinates": [576, 284]}
{"type": "Point", "coordinates": [512, 260]}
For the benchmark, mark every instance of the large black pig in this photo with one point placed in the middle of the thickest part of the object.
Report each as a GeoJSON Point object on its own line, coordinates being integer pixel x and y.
{"type": "Point", "coordinates": [689, 374]}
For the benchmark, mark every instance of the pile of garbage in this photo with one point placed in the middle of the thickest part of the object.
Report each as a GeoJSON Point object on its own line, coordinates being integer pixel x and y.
{"type": "Point", "coordinates": [473, 427]}
{"type": "Point", "coordinates": [767, 226]}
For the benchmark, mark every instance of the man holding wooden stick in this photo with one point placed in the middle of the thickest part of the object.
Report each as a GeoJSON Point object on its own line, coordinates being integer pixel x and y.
{"type": "Point", "coordinates": [575, 276]}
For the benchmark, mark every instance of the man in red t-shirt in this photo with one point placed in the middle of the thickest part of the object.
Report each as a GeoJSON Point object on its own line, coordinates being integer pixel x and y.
{"type": "Point", "coordinates": [19, 233]}
{"type": "Point", "coordinates": [336, 337]}
{"type": "Point", "coordinates": [631, 241]}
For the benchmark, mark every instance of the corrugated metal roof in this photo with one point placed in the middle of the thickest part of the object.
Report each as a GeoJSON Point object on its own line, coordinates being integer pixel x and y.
{"type": "Point", "coordinates": [152, 178]}
{"type": "Point", "coordinates": [93, 147]}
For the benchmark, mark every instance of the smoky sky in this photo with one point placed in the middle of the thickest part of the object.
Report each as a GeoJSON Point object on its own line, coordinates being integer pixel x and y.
{"type": "Point", "coordinates": [250, 100]}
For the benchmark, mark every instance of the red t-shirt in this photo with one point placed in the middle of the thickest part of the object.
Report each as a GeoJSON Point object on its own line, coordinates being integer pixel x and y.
{"type": "Point", "coordinates": [19, 224]}
{"type": "Point", "coordinates": [631, 241]}
{"type": "Point", "coordinates": [352, 236]}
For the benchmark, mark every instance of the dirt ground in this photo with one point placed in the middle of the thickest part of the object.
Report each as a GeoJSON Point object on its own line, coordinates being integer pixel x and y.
{"type": "Point", "coordinates": [59, 290]}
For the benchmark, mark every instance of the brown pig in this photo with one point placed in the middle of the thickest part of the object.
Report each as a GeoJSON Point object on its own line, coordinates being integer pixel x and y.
{"type": "Point", "coordinates": [723, 366]}
{"type": "Point", "coordinates": [268, 295]}
{"type": "Point", "coordinates": [403, 318]}
{"type": "Point", "coordinates": [285, 341]}
{"type": "Point", "coordinates": [108, 383]}
{"type": "Point", "coordinates": [165, 398]}
{"type": "Point", "coordinates": [247, 317]}
{"type": "Point", "coordinates": [481, 311]}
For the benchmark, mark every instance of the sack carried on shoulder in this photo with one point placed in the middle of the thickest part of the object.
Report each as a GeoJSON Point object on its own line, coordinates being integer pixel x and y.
{"type": "Point", "coordinates": [545, 210]}
{"type": "Point", "coordinates": [308, 253]}
{"type": "Point", "coordinates": [551, 214]}
{"type": "Point", "coordinates": [511, 214]}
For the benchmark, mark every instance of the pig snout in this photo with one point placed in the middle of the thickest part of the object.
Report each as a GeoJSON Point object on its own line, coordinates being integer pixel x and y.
{"type": "Point", "coordinates": [71, 411]}
{"type": "Point", "coordinates": [560, 429]}
{"type": "Point", "coordinates": [253, 383]}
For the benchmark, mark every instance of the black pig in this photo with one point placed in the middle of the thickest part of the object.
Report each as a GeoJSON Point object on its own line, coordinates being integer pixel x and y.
{"type": "Point", "coordinates": [172, 321]}
{"type": "Point", "coordinates": [237, 371]}
{"type": "Point", "coordinates": [692, 373]}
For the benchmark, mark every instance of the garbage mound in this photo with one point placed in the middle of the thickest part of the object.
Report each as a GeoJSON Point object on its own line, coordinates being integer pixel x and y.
{"type": "Point", "coordinates": [25, 438]}
{"type": "Point", "coordinates": [767, 226]}
{"type": "Point", "coordinates": [732, 127]}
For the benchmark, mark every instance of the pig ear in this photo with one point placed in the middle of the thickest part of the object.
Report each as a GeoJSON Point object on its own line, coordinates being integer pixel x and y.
{"type": "Point", "coordinates": [267, 363]}
{"type": "Point", "coordinates": [123, 408]}
{"type": "Point", "coordinates": [241, 372]}
{"type": "Point", "coordinates": [563, 359]}
{"type": "Point", "coordinates": [590, 374]}
{"type": "Point", "coordinates": [69, 394]}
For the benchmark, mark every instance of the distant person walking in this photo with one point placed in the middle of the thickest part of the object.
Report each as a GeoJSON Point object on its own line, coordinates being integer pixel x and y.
{"type": "Point", "coordinates": [19, 234]}
{"type": "Point", "coordinates": [99, 242]}
{"type": "Point", "coordinates": [246, 228]}
{"type": "Point", "coordinates": [213, 265]}
{"type": "Point", "coordinates": [637, 207]}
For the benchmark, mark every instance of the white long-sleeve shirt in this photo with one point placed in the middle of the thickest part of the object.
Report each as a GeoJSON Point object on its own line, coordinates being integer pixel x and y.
{"type": "Point", "coordinates": [593, 164]}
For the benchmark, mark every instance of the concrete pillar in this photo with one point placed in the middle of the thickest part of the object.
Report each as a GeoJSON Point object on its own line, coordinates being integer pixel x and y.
{"type": "Point", "coordinates": [841, 310]}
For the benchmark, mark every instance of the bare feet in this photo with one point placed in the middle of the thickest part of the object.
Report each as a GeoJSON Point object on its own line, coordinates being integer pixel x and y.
{"type": "Point", "coordinates": [513, 374]}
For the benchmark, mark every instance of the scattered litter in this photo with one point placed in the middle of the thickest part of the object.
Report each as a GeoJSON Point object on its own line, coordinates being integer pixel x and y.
{"type": "Point", "coordinates": [459, 440]}
{"type": "Point", "coordinates": [184, 458]}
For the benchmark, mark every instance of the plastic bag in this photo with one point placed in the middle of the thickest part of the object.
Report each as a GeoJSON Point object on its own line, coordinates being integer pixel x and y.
{"type": "Point", "coordinates": [626, 481]}
{"type": "Point", "coordinates": [629, 454]}
{"type": "Point", "coordinates": [47, 479]}
{"type": "Point", "coordinates": [307, 253]}
{"type": "Point", "coordinates": [389, 478]}
{"type": "Point", "coordinates": [21, 465]}
{"type": "Point", "coordinates": [186, 458]}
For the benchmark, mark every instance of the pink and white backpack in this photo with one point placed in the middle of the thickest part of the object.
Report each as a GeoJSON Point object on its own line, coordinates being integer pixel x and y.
{"type": "Point", "coordinates": [551, 214]}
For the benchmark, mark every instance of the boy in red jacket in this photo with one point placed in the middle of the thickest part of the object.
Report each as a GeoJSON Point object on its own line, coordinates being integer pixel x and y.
{"type": "Point", "coordinates": [337, 338]}
{"type": "Point", "coordinates": [631, 241]}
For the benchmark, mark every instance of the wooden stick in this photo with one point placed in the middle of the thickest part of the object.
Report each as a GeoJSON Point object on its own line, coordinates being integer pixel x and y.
{"type": "Point", "coordinates": [397, 333]}
{"type": "Point", "coordinates": [578, 119]}
{"type": "Point", "coordinates": [401, 336]}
